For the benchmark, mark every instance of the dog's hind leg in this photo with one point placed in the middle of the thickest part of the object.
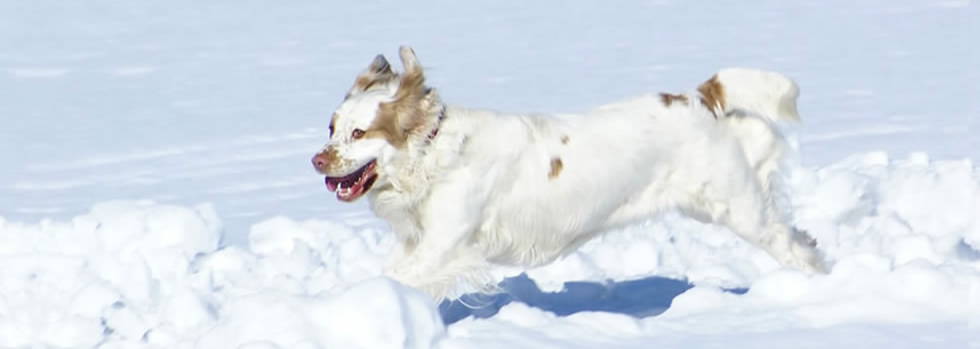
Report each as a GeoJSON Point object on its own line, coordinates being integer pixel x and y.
{"type": "Point", "coordinates": [748, 214]}
{"type": "Point", "coordinates": [789, 247]}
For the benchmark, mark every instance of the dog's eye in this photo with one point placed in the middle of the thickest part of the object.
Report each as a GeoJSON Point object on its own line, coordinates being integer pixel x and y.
{"type": "Point", "coordinates": [331, 130]}
{"type": "Point", "coordinates": [357, 133]}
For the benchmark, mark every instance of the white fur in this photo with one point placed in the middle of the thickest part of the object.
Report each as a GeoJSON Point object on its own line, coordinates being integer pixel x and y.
{"type": "Point", "coordinates": [480, 193]}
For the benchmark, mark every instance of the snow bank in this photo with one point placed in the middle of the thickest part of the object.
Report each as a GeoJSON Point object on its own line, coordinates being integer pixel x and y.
{"type": "Point", "coordinates": [139, 274]}
{"type": "Point", "coordinates": [108, 273]}
{"type": "Point", "coordinates": [901, 235]}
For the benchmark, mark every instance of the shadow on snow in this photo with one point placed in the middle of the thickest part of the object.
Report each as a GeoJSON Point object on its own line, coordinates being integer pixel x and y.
{"type": "Point", "coordinates": [640, 298]}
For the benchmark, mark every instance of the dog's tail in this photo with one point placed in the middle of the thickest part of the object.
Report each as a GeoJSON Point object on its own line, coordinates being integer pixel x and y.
{"type": "Point", "coordinates": [765, 94]}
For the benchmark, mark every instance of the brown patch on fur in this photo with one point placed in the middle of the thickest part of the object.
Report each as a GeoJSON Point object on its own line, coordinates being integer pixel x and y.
{"type": "Point", "coordinates": [385, 126]}
{"type": "Point", "coordinates": [564, 139]}
{"type": "Point", "coordinates": [713, 95]}
{"type": "Point", "coordinates": [330, 155]}
{"type": "Point", "coordinates": [397, 119]}
{"type": "Point", "coordinates": [364, 82]}
{"type": "Point", "coordinates": [667, 99]}
{"type": "Point", "coordinates": [556, 167]}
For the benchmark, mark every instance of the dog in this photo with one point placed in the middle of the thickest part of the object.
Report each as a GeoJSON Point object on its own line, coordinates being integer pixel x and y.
{"type": "Point", "coordinates": [464, 189]}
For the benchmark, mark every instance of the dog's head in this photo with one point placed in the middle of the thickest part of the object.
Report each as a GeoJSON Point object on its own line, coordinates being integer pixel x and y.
{"type": "Point", "coordinates": [383, 116]}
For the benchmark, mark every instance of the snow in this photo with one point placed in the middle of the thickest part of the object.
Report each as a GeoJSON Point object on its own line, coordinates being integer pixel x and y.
{"type": "Point", "coordinates": [157, 192]}
{"type": "Point", "coordinates": [144, 274]}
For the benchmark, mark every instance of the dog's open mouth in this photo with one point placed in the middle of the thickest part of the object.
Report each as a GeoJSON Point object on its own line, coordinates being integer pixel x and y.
{"type": "Point", "coordinates": [352, 186]}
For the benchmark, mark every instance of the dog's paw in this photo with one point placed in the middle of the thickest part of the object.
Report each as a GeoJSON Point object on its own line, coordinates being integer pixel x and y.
{"type": "Point", "coordinates": [419, 280]}
{"type": "Point", "coordinates": [409, 271]}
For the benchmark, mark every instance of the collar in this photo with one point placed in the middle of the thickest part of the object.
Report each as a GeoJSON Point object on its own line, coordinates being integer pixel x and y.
{"type": "Point", "coordinates": [435, 130]}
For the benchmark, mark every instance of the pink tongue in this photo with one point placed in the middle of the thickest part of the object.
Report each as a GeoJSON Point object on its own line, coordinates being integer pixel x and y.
{"type": "Point", "coordinates": [331, 185]}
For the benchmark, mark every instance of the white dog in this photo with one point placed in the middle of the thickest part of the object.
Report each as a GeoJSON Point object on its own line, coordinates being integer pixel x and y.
{"type": "Point", "coordinates": [464, 188]}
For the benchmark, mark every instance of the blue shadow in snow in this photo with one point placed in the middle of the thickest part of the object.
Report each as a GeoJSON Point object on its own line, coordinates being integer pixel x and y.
{"type": "Point", "coordinates": [640, 298]}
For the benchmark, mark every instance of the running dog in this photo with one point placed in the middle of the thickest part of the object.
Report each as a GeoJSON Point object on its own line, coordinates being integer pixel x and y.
{"type": "Point", "coordinates": [464, 189]}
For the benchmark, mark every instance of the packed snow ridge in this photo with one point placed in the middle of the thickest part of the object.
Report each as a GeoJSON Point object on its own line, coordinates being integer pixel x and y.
{"type": "Point", "coordinates": [901, 234]}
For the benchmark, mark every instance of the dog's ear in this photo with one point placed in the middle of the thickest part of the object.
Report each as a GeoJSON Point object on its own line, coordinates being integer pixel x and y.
{"type": "Point", "coordinates": [409, 60]}
{"type": "Point", "coordinates": [377, 73]}
{"type": "Point", "coordinates": [412, 85]}
{"type": "Point", "coordinates": [414, 103]}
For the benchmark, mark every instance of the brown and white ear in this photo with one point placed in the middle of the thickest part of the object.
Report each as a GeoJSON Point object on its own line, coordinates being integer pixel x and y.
{"type": "Point", "coordinates": [377, 73]}
{"type": "Point", "coordinates": [412, 100]}
{"type": "Point", "coordinates": [414, 104]}
{"type": "Point", "coordinates": [412, 85]}
{"type": "Point", "coordinates": [379, 65]}
{"type": "Point", "coordinates": [409, 60]}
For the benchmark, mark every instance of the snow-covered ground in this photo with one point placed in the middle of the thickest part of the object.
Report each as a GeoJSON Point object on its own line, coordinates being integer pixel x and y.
{"type": "Point", "coordinates": [201, 119]}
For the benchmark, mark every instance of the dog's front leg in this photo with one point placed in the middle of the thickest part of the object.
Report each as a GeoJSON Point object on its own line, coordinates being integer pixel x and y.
{"type": "Point", "coordinates": [448, 217]}
{"type": "Point", "coordinates": [407, 234]}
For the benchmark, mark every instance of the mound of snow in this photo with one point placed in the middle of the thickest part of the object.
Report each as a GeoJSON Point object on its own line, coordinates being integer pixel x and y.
{"type": "Point", "coordinates": [376, 313]}
{"type": "Point", "coordinates": [139, 274]}
{"type": "Point", "coordinates": [109, 272]}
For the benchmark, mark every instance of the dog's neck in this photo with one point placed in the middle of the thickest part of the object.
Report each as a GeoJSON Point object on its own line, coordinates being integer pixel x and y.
{"type": "Point", "coordinates": [412, 172]}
